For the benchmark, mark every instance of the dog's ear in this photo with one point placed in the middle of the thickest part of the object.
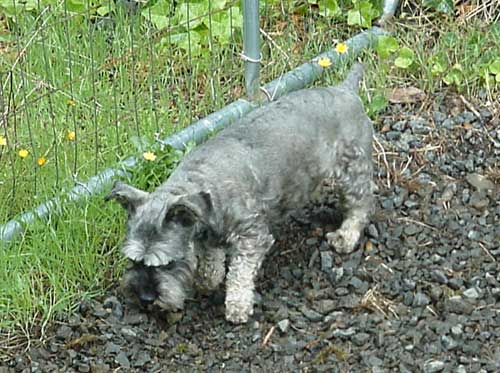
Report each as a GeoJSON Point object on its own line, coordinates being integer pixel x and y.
{"type": "Point", "coordinates": [128, 196]}
{"type": "Point", "coordinates": [190, 209]}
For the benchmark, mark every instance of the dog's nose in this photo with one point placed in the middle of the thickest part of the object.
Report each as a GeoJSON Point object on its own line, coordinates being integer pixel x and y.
{"type": "Point", "coordinates": [146, 298]}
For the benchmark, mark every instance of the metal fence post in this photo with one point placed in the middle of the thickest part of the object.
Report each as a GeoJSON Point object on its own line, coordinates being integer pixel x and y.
{"type": "Point", "coordinates": [251, 46]}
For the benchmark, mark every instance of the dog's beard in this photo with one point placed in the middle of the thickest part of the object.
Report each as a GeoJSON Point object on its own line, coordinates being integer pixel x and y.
{"type": "Point", "coordinates": [174, 286]}
{"type": "Point", "coordinates": [171, 286]}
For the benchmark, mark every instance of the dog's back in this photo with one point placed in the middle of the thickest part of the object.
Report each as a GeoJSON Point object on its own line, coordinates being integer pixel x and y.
{"type": "Point", "coordinates": [288, 145]}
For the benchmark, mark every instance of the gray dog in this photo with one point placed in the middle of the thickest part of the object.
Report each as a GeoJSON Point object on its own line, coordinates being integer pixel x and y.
{"type": "Point", "coordinates": [225, 197]}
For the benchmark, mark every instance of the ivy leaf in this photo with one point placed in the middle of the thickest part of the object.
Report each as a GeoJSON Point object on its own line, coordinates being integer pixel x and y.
{"type": "Point", "coordinates": [386, 45]}
{"type": "Point", "coordinates": [405, 58]}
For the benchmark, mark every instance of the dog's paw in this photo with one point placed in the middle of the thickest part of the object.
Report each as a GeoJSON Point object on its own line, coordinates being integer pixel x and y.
{"type": "Point", "coordinates": [236, 316]}
{"type": "Point", "coordinates": [239, 311]}
{"type": "Point", "coordinates": [343, 240]}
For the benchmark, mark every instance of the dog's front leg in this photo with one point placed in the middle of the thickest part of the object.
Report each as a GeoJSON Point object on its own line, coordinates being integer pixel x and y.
{"type": "Point", "coordinates": [246, 259]}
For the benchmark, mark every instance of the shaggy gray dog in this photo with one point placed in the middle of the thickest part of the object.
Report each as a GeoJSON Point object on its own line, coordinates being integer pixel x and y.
{"type": "Point", "coordinates": [223, 200]}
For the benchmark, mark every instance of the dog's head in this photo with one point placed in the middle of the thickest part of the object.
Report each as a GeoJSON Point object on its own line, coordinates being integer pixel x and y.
{"type": "Point", "coordinates": [160, 243]}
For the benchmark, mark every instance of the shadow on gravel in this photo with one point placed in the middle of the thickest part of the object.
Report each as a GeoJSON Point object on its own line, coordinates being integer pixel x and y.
{"type": "Point", "coordinates": [422, 293]}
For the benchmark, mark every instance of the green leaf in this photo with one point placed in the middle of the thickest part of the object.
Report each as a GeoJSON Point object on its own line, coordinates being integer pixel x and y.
{"type": "Point", "coordinates": [378, 103]}
{"type": "Point", "coordinates": [158, 14]}
{"type": "Point", "coordinates": [191, 41]}
{"type": "Point", "coordinates": [140, 143]}
{"type": "Point", "coordinates": [362, 14]}
{"type": "Point", "coordinates": [14, 8]}
{"type": "Point", "coordinates": [386, 45]}
{"type": "Point", "coordinates": [444, 6]}
{"type": "Point", "coordinates": [329, 8]}
{"type": "Point", "coordinates": [192, 14]}
{"type": "Point", "coordinates": [105, 9]}
{"type": "Point", "coordinates": [495, 67]}
{"type": "Point", "coordinates": [405, 58]}
{"type": "Point", "coordinates": [438, 65]}
{"type": "Point", "coordinates": [455, 76]}
{"type": "Point", "coordinates": [76, 6]}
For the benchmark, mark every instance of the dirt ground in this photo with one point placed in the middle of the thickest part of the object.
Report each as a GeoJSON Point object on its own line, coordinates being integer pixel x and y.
{"type": "Point", "coordinates": [422, 292]}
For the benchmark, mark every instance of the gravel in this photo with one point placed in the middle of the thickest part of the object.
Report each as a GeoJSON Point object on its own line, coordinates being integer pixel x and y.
{"type": "Point", "coordinates": [422, 293]}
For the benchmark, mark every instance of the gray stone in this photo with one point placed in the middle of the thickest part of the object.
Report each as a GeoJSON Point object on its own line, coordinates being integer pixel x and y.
{"type": "Point", "coordinates": [122, 360]}
{"type": "Point", "coordinates": [336, 274]}
{"type": "Point", "coordinates": [359, 339]}
{"type": "Point", "coordinates": [283, 325]}
{"type": "Point", "coordinates": [311, 314]}
{"type": "Point", "coordinates": [449, 192]}
{"type": "Point", "coordinates": [480, 182]}
{"type": "Point", "coordinates": [472, 293]}
{"type": "Point", "coordinates": [479, 200]}
{"type": "Point", "coordinates": [457, 304]}
{"type": "Point", "coordinates": [439, 276]}
{"type": "Point", "coordinates": [438, 117]}
{"type": "Point", "coordinates": [326, 261]}
{"type": "Point", "coordinates": [64, 332]}
{"type": "Point", "coordinates": [473, 235]}
{"type": "Point", "coordinates": [141, 359]}
{"type": "Point", "coordinates": [448, 343]}
{"type": "Point", "coordinates": [431, 366]}
{"type": "Point", "coordinates": [325, 306]}
{"type": "Point", "coordinates": [344, 332]}
{"type": "Point", "coordinates": [412, 229]}
{"type": "Point", "coordinates": [420, 300]}
{"type": "Point", "coordinates": [375, 362]}
{"type": "Point", "coordinates": [111, 348]}
{"type": "Point", "coordinates": [312, 241]}
{"type": "Point", "coordinates": [84, 368]}
{"type": "Point", "coordinates": [373, 231]}
{"type": "Point", "coordinates": [114, 304]}
{"type": "Point", "coordinates": [128, 332]}
{"type": "Point", "coordinates": [135, 318]}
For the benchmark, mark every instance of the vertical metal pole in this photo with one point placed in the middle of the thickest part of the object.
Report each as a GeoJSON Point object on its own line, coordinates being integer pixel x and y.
{"type": "Point", "coordinates": [251, 46]}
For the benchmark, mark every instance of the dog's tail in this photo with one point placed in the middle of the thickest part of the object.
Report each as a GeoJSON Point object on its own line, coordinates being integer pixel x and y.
{"type": "Point", "coordinates": [351, 82]}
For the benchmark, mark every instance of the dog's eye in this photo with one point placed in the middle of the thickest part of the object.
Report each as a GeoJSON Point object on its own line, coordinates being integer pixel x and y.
{"type": "Point", "coordinates": [133, 264]}
{"type": "Point", "coordinates": [168, 266]}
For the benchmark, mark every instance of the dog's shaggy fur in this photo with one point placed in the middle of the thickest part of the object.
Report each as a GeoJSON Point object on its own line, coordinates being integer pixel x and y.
{"type": "Point", "coordinates": [223, 200]}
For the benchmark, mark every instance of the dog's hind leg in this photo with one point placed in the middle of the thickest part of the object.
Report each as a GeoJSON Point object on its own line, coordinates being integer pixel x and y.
{"type": "Point", "coordinates": [354, 179]}
{"type": "Point", "coordinates": [211, 268]}
{"type": "Point", "coordinates": [248, 254]}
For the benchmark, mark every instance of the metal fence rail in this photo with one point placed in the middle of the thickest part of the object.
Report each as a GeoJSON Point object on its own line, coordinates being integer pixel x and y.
{"type": "Point", "coordinates": [110, 98]}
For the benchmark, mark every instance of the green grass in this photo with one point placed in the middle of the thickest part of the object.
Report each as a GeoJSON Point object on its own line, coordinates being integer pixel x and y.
{"type": "Point", "coordinates": [132, 86]}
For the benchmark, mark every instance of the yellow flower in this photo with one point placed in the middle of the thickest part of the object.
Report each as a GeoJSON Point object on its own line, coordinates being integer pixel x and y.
{"type": "Point", "coordinates": [149, 156]}
{"type": "Point", "coordinates": [341, 48]}
{"type": "Point", "coordinates": [71, 102]}
{"type": "Point", "coordinates": [71, 135]}
{"type": "Point", "coordinates": [324, 62]}
{"type": "Point", "coordinates": [3, 141]}
{"type": "Point", "coordinates": [23, 153]}
{"type": "Point", "coordinates": [41, 161]}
